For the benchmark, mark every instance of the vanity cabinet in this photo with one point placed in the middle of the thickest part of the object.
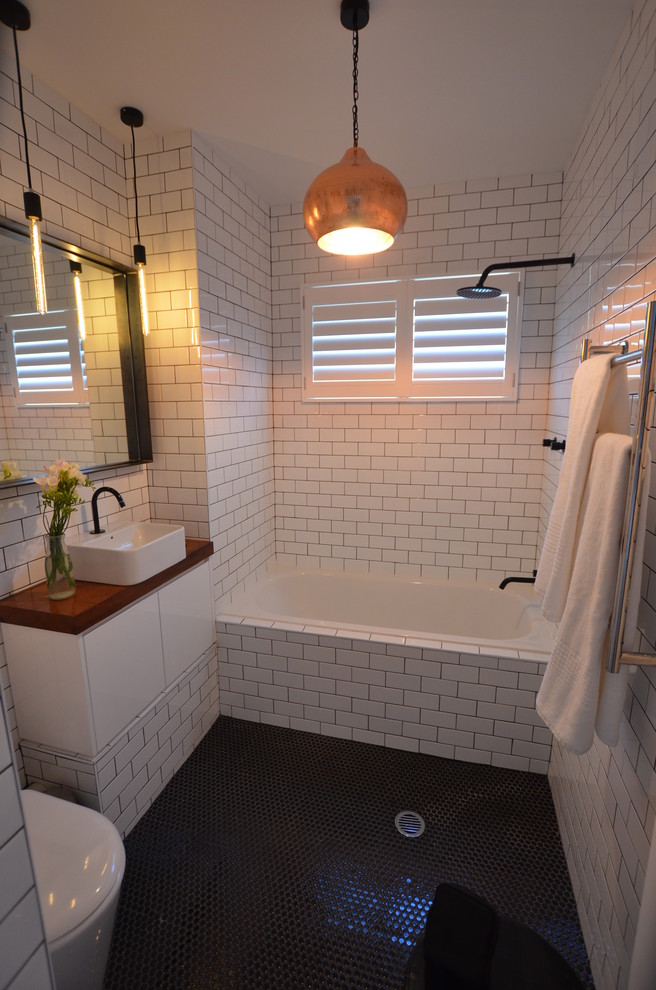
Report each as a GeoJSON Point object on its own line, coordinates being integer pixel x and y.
{"type": "Point", "coordinates": [78, 692]}
{"type": "Point", "coordinates": [124, 668]}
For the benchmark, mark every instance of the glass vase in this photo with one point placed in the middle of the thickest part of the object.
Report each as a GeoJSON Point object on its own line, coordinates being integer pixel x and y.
{"type": "Point", "coordinates": [59, 568]}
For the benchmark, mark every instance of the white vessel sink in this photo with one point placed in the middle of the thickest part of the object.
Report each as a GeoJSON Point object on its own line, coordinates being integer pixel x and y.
{"type": "Point", "coordinates": [128, 555]}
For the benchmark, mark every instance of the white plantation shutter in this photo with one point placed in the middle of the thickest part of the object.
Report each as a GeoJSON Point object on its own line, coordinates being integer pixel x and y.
{"type": "Point", "coordinates": [353, 340]}
{"type": "Point", "coordinates": [411, 339]}
{"type": "Point", "coordinates": [465, 345]}
{"type": "Point", "coordinates": [48, 360]}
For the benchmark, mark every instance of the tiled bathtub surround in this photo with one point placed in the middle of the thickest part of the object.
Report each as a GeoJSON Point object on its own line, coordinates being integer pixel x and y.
{"type": "Point", "coordinates": [404, 694]}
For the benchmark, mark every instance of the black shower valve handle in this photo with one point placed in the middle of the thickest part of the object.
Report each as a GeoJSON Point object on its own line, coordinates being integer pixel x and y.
{"type": "Point", "coordinates": [553, 443]}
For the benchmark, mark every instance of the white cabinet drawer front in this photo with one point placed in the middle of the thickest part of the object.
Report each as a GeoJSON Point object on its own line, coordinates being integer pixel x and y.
{"type": "Point", "coordinates": [125, 667]}
{"type": "Point", "coordinates": [49, 687]}
{"type": "Point", "coordinates": [187, 620]}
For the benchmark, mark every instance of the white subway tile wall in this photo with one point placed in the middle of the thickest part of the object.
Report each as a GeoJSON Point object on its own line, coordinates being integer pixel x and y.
{"type": "Point", "coordinates": [422, 488]}
{"type": "Point", "coordinates": [23, 951]}
{"type": "Point", "coordinates": [80, 172]}
{"type": "Point", "coordinates": [606, 800]}
{"type": "Point", "coordinates": [84, 198]}
{"type": "Point", "coordinates": [234, 272]}
{"type": "Point", "coordinates": [178, 476]}
{"type": "Point", "coordinates": [79, 169]}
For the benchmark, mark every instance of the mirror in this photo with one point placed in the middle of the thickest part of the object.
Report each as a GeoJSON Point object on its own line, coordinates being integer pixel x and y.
{"type": "Point", "coordinates": [62, 396]}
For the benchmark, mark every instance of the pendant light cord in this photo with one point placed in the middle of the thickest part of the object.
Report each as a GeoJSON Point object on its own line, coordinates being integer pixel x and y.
{"type": "Point", "coordinates": [22, 111]}
{"type": "Point", "coordinates": [356, 94]}
{"type": "Point", "coordinates": [134, 179]}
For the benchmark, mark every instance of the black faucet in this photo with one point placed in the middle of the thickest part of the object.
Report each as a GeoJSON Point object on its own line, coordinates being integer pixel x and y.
{"type": "Point", "coordinates": [519, 579]}
{"type": "Point", "coordinates": [94, 506]}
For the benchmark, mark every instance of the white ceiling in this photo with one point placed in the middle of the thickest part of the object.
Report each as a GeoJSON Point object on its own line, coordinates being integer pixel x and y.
{"type": "Point", "coordinates": [449, 89]}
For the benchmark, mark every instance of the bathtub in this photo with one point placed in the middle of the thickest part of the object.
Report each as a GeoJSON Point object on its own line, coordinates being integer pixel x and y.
{"type": "Point", "coordinates": [438, 611]}
{"type": "Point", "coordinates": [429, 666]}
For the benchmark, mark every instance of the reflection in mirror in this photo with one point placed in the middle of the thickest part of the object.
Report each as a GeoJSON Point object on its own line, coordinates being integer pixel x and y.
{"type": "Point", "coordinates": [72, 382]}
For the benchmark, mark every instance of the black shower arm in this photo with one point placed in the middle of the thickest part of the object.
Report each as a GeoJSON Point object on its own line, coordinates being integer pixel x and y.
{"type": "Point", "coordinates": [510, 265]}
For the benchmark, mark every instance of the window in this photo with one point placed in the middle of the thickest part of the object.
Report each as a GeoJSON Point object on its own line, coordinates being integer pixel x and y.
{"type": "Point", "coordinates": [410, 339]}
{"type": "Point", "coordinates": [48, 359]}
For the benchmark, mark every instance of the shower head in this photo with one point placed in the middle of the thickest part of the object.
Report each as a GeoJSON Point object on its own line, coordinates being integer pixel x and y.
{"type": "Point", "coordinates": [481, 291]}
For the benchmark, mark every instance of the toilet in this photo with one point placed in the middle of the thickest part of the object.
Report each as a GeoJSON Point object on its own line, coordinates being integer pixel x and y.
{"type": "Point", "coordinates": [79, 861]}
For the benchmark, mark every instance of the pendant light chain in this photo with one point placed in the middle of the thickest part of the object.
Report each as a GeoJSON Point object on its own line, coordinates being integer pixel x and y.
{"type": "Point", "coordinates": [22, 112]}
{"type": "Point", "coordinates": [356, 93]}
{"type": "Point", "coordinates": [355, 207]}
{"type": "Point", "coordinates": [134, 179]}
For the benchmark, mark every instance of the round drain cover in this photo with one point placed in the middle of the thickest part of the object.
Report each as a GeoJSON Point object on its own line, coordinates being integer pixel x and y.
{"type": "Point", "coordinates": [410, 824]}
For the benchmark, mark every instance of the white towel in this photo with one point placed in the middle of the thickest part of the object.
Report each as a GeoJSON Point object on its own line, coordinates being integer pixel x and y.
{"type": "Point", "coordinates": [569, 697]}
{"type": "Point", "coordinates": [597, 396]}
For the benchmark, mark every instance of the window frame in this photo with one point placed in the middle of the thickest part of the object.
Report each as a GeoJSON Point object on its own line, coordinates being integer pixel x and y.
{"type": "Point", "coordinates": [404, 387]}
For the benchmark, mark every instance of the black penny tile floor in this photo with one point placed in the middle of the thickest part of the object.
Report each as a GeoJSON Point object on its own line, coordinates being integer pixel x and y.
{"type": "Point", "coordinates": [271, 860]}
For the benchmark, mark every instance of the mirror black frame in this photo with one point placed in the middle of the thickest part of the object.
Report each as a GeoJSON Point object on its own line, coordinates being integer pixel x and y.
{"type": "Point", "coordinates": [133, 367]}
{"type": "Point", "coordinates": [131, 350]}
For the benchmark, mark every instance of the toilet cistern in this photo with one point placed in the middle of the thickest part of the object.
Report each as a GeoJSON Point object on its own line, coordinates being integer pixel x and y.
{"type": "Point", "coordinates": [94, 506]}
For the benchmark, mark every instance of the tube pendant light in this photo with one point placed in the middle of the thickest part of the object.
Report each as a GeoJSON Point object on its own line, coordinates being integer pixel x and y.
{"type": "Point", "coordinates": [76, 272]}
{"type": "Point", "coordinates": [355, 206]}
{"type": "Point", "coordinates": [134, 118]}
{"type": "Point", "coordinates": [16, 16]}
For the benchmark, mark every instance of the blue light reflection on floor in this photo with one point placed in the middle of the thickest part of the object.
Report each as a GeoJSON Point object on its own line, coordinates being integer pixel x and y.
{"type": "Point", "coordinates": [397, 913]}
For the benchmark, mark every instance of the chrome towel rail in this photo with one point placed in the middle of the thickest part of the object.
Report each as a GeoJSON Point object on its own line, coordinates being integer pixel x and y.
{"type": "Point", "coordinates": [615, 653]}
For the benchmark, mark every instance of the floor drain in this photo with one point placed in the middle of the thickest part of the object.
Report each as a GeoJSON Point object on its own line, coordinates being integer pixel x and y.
{"type": "Point", "coordinates": [410, 824]}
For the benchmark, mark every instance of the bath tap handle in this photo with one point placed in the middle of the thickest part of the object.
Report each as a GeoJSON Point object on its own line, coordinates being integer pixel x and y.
{"type": "Point", "coordinates": [553, 443]}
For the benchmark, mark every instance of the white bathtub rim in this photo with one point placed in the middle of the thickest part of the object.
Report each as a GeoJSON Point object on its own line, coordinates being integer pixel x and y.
{"type": "Point", "coordinates": [487, 648]}
{"type": "Point", "coordinates": [227, 613]}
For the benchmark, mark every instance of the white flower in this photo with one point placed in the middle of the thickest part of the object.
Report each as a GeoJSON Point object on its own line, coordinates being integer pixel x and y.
{"type": "Point", "coordinates": [10, 470]}
{"type": "Point", "coordinates": [59, 493]}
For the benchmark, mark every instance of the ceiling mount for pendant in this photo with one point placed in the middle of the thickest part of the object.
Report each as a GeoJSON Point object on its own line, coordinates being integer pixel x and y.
{"type": "Point", "coordinates": [354, 14]}
{"type": "Point", "coordinates": [356, 206]}
{"type": "Point", "coordinates": [131, 116]}
{"type": "Point", "coordinates": [15, 15]}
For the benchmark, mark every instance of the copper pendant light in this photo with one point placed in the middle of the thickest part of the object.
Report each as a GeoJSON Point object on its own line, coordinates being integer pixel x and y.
{"type": "Point", "coordinates": [355, 206]}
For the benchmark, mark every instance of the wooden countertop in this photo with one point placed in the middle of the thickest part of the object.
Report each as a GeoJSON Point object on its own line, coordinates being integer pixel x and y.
{"type": "Point", "coordinates": [92, 602]}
